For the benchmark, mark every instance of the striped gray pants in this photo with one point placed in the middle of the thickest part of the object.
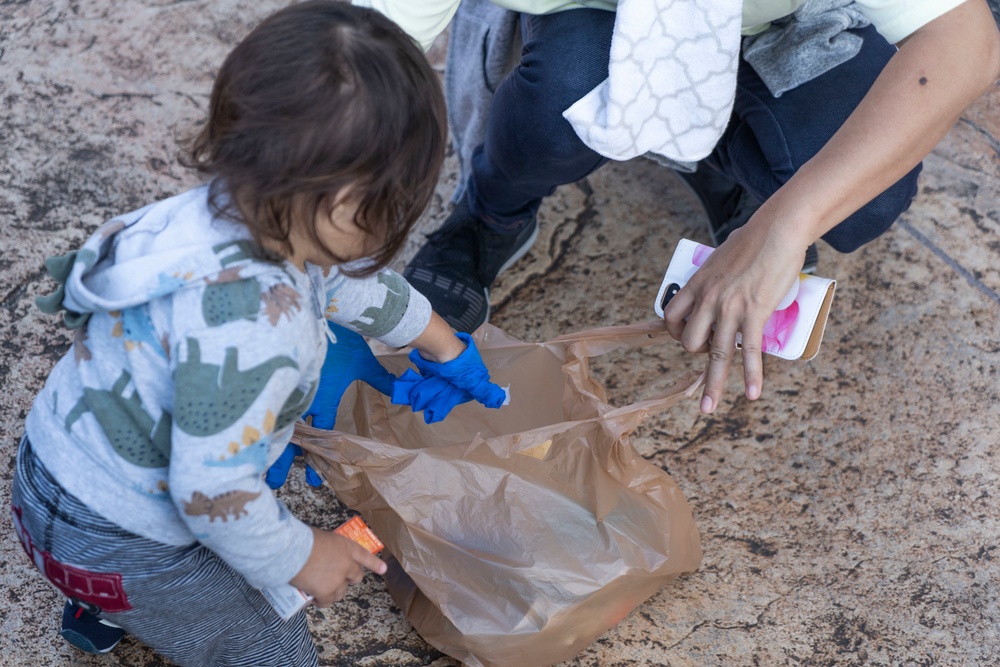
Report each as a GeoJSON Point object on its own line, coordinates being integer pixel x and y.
{"type": "Point", "coordinates": [184, 602]}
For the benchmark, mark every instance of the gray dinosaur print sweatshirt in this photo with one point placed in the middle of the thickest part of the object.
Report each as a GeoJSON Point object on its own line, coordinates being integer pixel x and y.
{"type": "Point", "coordinates": [192, 358]}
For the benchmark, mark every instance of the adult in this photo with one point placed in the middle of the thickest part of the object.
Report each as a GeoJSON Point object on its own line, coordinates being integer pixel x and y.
{"type": "Point", "coordinates": [834, 157]}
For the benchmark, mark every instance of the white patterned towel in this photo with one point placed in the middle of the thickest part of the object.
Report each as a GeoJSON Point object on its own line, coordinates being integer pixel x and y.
{"type": "Point", "coordinates": [671, 80]}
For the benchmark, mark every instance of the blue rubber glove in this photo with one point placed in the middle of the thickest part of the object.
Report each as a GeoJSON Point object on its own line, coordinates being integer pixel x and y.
{"type": "Point", "coordinates": [277, 474]}
{"type": "Point", "coordinates": [439, 387]}
{"type": "Point", "coordinates": [434, 395]}
{"type": "Point", "coordinates": [347, 360]}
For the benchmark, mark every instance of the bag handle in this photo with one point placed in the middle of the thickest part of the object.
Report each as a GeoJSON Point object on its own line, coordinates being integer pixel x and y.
{"type": "Point", "coordinates": [686, 386]}
{"type": "Point", "coordinates": [584, 345]}
{"type": "Point", "coordinates": [601, 340]}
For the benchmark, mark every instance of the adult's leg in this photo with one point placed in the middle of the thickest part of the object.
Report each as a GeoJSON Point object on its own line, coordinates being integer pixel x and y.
{"type": "Point", "coordinates": [529, 149]}
{"type": "Point", "coordinates": [769, 139]}
{"type": "Point", "coordinates": [184, 602]}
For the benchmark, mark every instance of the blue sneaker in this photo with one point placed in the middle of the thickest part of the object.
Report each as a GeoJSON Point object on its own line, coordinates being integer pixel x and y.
{"type": "Point", "coordinates": [87, 632]}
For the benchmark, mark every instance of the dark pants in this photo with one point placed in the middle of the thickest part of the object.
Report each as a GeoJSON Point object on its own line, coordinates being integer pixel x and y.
{"type": "Point", "coordinates": [530, 148]}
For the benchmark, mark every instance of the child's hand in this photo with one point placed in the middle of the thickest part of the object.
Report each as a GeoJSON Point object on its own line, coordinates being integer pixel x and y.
{"type": "Point", "coordinates": [439, 387]}
{"type": "Point", "coordinates": [347, 360]}
{"type": "Point", "coordinates": [334, 563]}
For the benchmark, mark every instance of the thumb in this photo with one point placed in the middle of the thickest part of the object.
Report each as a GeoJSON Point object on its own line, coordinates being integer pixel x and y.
{"type": "Point", "coordinates": [277, 474]}
{"type": "Point", "coordinates": [377, 376]}
{"type": "Point", "coordinates": [313, 478]}
{"type": "Point", "coordinates": [327, 417]}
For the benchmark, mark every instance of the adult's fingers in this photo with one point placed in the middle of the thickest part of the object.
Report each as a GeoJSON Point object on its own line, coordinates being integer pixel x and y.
{"type": "Point", "coordinates": [753, 367]}
{"type": "Point", "coordinates": [676, 313]}
{"type": "Point", "coordinates": [720, 355]}
{"type": "Point", "coordinates": [698, 331]}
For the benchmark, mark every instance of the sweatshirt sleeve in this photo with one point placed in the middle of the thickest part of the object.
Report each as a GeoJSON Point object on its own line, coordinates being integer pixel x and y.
{"type": "Point", "coordinates": [382, 306]}
{"type": "Point", "coordinates": [423, 20]}
{"type": "Point", "coordinates": [237, 390]}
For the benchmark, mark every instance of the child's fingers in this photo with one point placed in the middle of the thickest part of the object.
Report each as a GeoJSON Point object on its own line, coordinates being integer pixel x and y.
{"type": "Point", "coordinates": [369, 561]}
{"type": "Point", "coordinates": [332, 597]}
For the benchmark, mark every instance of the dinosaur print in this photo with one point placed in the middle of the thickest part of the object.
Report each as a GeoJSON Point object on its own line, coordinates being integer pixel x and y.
{"type": "Point", "coordinates": [210, 398]}
{"type": "Point", "coordinates": [231, 252]}
{"type": "Point", "coordinates": [137, 328]}
{"type": "Point", "coordinates": [228, 301]}
{"type": "Point", "coordinates": [252, 450]}
{"type": "Point", "coordinates": [254, 455]}
{"type": "Point", "coordinates": [280, 300]}
{"type": "Point", "coordinates": [127, 426]}
{"type": "Point", "coordinates": [296, 405]}
{"type": "Point", "coordinates": [60, 267]}
{"type": "Point", "coordinates": [80, 350]}
{"type": "Point", "coordinates": [378, 321]}
{"type": "Point", "coordinates": [222, 505]}
{"type": "Point", "coordinates": [168, 284]}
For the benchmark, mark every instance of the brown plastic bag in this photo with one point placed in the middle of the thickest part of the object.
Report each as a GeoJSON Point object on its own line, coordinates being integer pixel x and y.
{"type": "Point", "coordinates": [526, 532]}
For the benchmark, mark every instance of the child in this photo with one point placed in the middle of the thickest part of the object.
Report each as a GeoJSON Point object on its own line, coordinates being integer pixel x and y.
{"type": "Point", "coordinates": [201, 329]}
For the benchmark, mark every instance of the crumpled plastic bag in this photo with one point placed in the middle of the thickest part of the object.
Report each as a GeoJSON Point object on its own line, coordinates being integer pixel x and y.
{"type": "Point", "coordinates": [518, 536]}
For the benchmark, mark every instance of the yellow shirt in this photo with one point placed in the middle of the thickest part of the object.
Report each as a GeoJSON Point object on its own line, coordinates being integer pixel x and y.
{"type": "Point", "coordinates": [424, 20]}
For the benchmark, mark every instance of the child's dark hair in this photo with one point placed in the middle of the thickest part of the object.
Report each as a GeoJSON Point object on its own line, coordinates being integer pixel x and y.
{"type": "Point", "coordinates": [321, 96]}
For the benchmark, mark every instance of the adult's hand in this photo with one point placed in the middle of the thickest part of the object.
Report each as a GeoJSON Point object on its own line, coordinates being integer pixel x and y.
{"type": "Point", "coordinates": [912, 104]}
{"type": "Point", "coordinates": [735, 291]}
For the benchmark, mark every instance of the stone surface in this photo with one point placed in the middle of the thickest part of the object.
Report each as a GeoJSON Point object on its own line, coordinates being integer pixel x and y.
{"type": "Point", "coordinates": [848, 517]}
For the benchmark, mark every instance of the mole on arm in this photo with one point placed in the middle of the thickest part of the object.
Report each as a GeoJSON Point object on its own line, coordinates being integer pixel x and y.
{"type": "Point", "coordinates": [923, 81]}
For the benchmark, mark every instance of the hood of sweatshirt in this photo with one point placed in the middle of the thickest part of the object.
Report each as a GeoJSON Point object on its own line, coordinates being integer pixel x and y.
{"type": "Point", "coordinates": [148, 254]}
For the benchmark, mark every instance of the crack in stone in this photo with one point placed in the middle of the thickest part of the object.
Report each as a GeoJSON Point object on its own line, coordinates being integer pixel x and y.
{"type": "Point", "coordinates": [557, 247]}
{"type": "Point", "coordinates": [740, 626]}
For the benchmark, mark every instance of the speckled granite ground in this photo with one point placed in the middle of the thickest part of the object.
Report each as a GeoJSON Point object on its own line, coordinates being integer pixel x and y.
{"type": "Point", "coordinates": [848, 518]}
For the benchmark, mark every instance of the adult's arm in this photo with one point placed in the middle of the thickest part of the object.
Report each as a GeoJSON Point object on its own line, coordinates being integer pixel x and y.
{"type": "Point", "coordinates": [938, 71]}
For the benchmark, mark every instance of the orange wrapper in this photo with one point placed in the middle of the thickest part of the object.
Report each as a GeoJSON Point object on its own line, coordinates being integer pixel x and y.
{"type": "Point", "coordinates": [358, 531]}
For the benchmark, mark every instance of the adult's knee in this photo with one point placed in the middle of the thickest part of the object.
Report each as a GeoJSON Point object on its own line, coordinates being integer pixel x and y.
{"type": "Point", "coordinates": [874, 218]}
{"type": "Point", "coordinates": [526, 117]}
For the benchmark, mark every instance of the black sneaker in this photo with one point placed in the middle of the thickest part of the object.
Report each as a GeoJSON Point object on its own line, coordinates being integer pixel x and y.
{"type": "Point", "coordinates": [729, 206]}
{"type": "Point", "coordinates": [88, 632]}
{"type": "Point", "coordinates": [460, 261]}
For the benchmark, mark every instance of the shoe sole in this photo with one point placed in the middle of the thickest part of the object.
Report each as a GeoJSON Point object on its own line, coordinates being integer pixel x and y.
{"type": "Point", "coordinates": [518, 254]}
{"type": "Point", "coordinates": [83, 642]}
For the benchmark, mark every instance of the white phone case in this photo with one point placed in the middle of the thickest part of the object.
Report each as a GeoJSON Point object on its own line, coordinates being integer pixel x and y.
{"type": "Point", "coordinates": [794, 330]}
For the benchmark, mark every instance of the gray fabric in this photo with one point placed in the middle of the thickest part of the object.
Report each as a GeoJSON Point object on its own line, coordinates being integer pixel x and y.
{"type": "Point", "coordinates": [482, 47]}
{"type": "Point", "coordinates": [806, 44]}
